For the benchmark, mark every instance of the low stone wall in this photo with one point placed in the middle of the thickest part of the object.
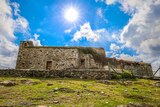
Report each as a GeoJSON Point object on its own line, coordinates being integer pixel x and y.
{"type": "Point", "coordinates": [74, 73]}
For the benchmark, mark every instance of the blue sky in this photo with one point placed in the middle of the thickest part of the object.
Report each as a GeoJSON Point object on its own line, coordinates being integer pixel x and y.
{"type": "Point", "coordinates": [48, 17]}
{"type": "Point", "coordinates": [126, 29]}
{"type": "Point", "coordinates": [47, 20]}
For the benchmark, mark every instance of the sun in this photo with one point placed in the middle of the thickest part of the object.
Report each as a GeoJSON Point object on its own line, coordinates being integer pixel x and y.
{"type": "Point", "coordinates": [71, 14]}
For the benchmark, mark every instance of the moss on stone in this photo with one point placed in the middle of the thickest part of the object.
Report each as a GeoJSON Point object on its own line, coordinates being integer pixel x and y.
{"type": "Point", "coordinates": [96, 56]}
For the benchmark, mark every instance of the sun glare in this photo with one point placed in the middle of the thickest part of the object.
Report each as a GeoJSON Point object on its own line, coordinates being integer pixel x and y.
{"type": "Point", "coordinates": [71, 14]}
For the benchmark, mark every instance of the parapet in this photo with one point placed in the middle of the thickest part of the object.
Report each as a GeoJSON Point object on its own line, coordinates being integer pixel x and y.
{"type": "Point", "coordinates": [26, 44]}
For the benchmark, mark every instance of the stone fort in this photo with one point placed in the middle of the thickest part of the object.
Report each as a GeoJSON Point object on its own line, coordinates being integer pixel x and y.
{"type": "Point", "coordinates": [64, 58]}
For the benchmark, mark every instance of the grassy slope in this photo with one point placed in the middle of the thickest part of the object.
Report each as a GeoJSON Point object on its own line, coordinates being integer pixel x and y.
{"type": "Point", "coordinates": [88, 93]}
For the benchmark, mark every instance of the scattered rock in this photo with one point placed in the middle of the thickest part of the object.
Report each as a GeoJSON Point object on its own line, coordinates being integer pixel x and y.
{"type": "Point", "coordinates": [135, 89]}
{"type": "Point", "coordinates": [42, 106]}
{"type": "Point", "coordinates": [107, 82]}
{"type": "Point", "coordinates": [102, 92]}
{"type": "Point", "coordinates": [25, 104]}
{"type": "Point", "coordinates": [128, 83]}
{"type": "Point", "coordinates": [56, 89]}
{"type": "Point", "coordinates": [107, 102]}
{"type": "Point", "coordinates": [78, 92]}
{"type": "Point", "coordinates": [125, 90]}
{"type": "Point", "coordinates": [89, 91]}
{"type": "Point", "coordinates": [125, 83]}
{"type": "Point", "coordinates": [157, 84]}
{"type": "Point", "coordinates": [7, 83]}
{"type": "Point", "coordinates": [135, 105]}
{"type": "Point", "coordinates": [29, 82]}
{"type": "Point", "coordinates": [49, 84]}
{"type": "Point", "coordinates": [65, 90]}
{"type": "Point", "coordinates": [37, 98]}
{"type": "Point", "coordinates": [84, 86]}
{"type": "Point", "coordinates": [55, 102]}
{"type": "Point", "coordinates": [134, 96]}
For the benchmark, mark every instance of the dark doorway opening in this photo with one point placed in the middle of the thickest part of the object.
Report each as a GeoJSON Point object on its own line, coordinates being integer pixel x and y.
{"type": "Point", "coordinates": [49, 65]}
{"type": "Point", "coordinates": [82, 63]}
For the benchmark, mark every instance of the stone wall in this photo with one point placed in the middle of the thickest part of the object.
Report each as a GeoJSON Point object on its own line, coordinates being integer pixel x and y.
{"type": "Point", "coordinates": [58, 58]}
{"type": "Point", "coordinates": [37, 58]}
{"type": "Point", "coordinates": [54, 58]}
{"type": "Point", "coordinates": [74, 73]}
{"type": "Point", "coordinates": [137, 68]}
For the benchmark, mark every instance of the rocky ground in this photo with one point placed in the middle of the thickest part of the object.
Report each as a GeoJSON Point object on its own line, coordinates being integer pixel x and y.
{"type": "Point", "coordinates": [42, 92]}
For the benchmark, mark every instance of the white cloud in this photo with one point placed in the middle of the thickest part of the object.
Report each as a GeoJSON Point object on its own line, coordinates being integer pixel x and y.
{"type": "Point", "coordinates": [142, 32]}
{"type": "Point", "coordinates": [86, 32]}
{"type": "Point", "coordinates": [21, 25]}
{"type": "Point", "coordinates": [35, 40]}
{"type": "Point", "coordinates": [68, 30]}
{"type": "Point", "coordinates": [127, 57]}
{"type": "Point", "coordinates": [98, 37]}
{"type": "Point", "coordinates": [99, 0]}
{"type": "Point", "coordinates": [8, 26]}
{"type": "Point", "coordinates": [114, 47]}
{"type": "Point", "coordinates": [108, 53]}
{"type": "Point", "coordinates": [109, 2]}
{"type": "Point", "coordinates": [99, 12]}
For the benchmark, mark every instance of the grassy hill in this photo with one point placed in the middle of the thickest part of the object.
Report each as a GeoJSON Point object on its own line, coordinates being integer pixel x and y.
{"type": "Point", "coordinates": [77, 93]}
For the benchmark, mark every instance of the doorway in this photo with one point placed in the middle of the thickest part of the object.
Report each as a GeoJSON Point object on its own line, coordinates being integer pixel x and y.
{"type": "Point", "coordinates": [82, 63]}
{"type": "Point", "coordinates": [49, 65]}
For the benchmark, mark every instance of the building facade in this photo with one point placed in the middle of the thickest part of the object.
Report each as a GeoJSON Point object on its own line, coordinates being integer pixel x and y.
{"type": "Point", "coordinates": [58, 58]}
{"type": "Point", "coordinates": [62, 58]}
{"type": "Point", "coordinates": [137, 68]}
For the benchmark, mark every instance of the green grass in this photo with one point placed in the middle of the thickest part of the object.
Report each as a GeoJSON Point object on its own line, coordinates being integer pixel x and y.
{"type": "Point", "coordinates": [78, 93]}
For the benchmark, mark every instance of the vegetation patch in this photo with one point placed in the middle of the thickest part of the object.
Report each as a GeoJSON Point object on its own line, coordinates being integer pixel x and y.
{"type": "Point", "coordinates": [126, 74]}
{"type": "Point", "coordinates": [79, 93]}
{"type": "Point", "coordinates": [64, 90]}
{"type": "Point", "coordinates": [96, 56]}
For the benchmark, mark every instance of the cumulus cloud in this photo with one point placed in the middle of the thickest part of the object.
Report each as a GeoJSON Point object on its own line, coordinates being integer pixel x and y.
{"type": "Point", "coordinates": [97, 37]}
{"type": "Point", "coordinates": [35, 40]}
{"type": "Point", "coordinates": [8, 26]}
{"type": "Point", "coordinates": [114, 47]}
{"type": "Point", "coordinates": [142, 32]}
{"type": "Point", "coordinates": [86, 32]}
{"type": "Point", "coordinates": [127, 57]}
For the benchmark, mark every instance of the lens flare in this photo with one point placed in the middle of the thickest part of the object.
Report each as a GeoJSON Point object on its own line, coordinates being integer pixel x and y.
{"type": "Point", "coordinates": [71, 14]}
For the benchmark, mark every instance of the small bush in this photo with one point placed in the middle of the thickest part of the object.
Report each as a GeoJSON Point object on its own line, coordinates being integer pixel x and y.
{"type": "Point", "coordinates": [126, 74]}
{"type": "Point", "coordinates": [116, 76]}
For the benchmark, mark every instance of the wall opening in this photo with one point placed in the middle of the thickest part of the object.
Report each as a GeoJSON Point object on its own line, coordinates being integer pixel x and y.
{"type": "Point", "coordinates": [49, 65]}
{"type": "Point", "coordinates": [25, 44]}
{"type": "Point", "coordinates": [82, 63]}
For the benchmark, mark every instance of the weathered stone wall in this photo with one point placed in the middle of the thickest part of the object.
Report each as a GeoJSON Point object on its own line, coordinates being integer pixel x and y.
{"type": "Point", "coordinates": [32, 57]}
{"type": "Point", "coordinates": [137, 68]}
{"type": "Point", "coordinates": [57, 58]}
{"type": "Point", "coordinates": [93, 57]}
{"type": "Point", "coordinates": [37, 57]}
{"type": "Point", "coordinates": [140, 69]}
{"type": "Point", "coordinates": [74, 73]}
{"type": "Point", "coordinates": [89, 62]}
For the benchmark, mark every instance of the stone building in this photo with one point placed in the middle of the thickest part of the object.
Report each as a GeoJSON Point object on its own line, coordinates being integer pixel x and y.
{"type": "Point", "coordinates": [137, 68]}
{"type": "Point", "coordinates": [58, 58]}
{"type": "Point", "coordinates": [64, 58]}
